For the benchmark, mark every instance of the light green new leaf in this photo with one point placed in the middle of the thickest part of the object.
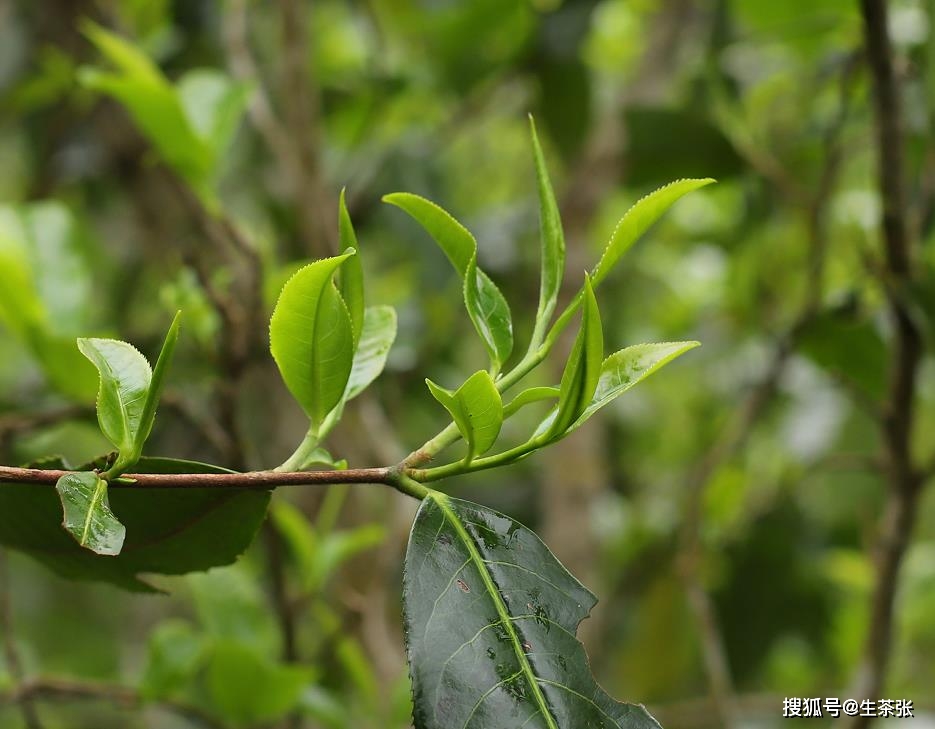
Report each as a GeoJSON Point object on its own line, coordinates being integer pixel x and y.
{"type": "Point", "coordinates": [156, 385]}
{"type": "Point", "coordinates": [352, 272]}
{"type": "Point", "coordinates": [553, 239]}
{"type": "Point", "coordinates": [637, 220]}
{"type": "Point", "coordinates": [488, 310]}
{"type": "Point", "coordinates": [87, 514]}
{"type": "Point", "coordinates": [311, 338]}
{"type": "Point", "coordinates": [490, 623]}
{"type": "Point", "coordinates": [376, 339]}
{"type": "Point", "coordinates": [214, 104]}
{"type": "Point", "coordinates": [583, 369]}
{"type": "Point", "coordinates": [153, 103]}
{"type": "Point", "coordinates": [624, 369]}
{"type": "Point", "coordinates": [476, 409]}
{"type": "Point", "coordinates": [125, 377]}
{"type": "Point", "coordinates": [533, 394]}
{"type": "Point", "coordinates": [175, 652]}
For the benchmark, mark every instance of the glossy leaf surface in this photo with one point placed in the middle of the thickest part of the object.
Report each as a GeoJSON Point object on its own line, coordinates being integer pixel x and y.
{"type": "Point", "coordinates": [169, 531]}
{"type": "Point", "coordinates": [477, 410]}
{"type": "Point", "coordinates": [491, 617]}
{"type": "Point", "coordinates": [311, 338]}
{"type": "Point", "coordinates": [637, 221]}
{"type": "Point", "coordinates": [125, 377]}
{"type": "Point", "coordinates": [87, 514]}
{"type": "Point", "coordinates": [486, 306]}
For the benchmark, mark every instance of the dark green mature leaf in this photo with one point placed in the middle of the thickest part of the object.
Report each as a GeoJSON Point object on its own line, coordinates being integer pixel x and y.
{"type": "Point", "coordinates": [583, 369]}
{"type": "Point", "coordinates": [476, 409]}
{"type": "Point", "coordinates": [169, 531]}
{"type": "Point", "coordinates": [848, 346]}
{"type": "Point", "coordinates": [87, 514]}
{"type": "Point", "coordinates": [636, 221]}
{"type": "Point", "coordinates": [553, 238]}
{"type": "Point", "coordinates": [125, 378]}
{"type": "Point", "coordinates": [311, 338]}
{"type": "Point", "coordinates": [376, 339]}
{"type": "Point", "coordinates": [352, 272]}
{"type": "Point", "coordinates": [491, 617]}
{"type": "Point", "coordinates": [488, 310]}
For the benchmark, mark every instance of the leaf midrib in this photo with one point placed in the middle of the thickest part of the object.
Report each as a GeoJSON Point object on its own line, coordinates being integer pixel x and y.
{"type": "Point", "coordinates": [442, 501]}
{"type": "Point", "coordinates": [100, 487]}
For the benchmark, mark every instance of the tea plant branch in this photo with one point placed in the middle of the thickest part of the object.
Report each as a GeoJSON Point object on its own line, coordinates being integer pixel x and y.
{"type": "Point", "coordinates": [903, 479]}
{"type": "Point", "coordinates": [10, 650]}
{"type": "Point", "coordinates": [62, 689]}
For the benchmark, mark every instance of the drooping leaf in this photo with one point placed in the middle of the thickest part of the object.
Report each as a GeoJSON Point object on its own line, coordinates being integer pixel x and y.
{"type": "Point", "coordinates": [154, 104]}
{"type": "Point", "coordinates": [170, 531]}
{"type": "Point", "coordinates": [553, 238]}
{"type": "Point", "coordinates": [376, 339]}
{"type": "Point", "coordinates": [637, 221]}
{"type": "Point", "coordinates": [311, 338]}
{"type": "Point", "coordinates": [352, 272]}
{"type": "Point", "coordinates": [87, 514]}
{"type": "Point", "coordinates": [155, 387]}
{"type": "Point", "coordinates": [490, 618]}
{"type": "Point", "coordinates": [583, 369]}
{"type": "Point", "coordinates": [486, 307]}
{"type": "Point", "coordinates": [476, 409]}
{"type": "Point", "coordinates": [125, 379]}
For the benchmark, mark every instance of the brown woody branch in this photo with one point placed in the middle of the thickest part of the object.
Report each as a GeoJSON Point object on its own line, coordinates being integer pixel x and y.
{"type": "Point", "coordinates": [903, 478]}
{"type": "Point", "coordinates": [250, 480]}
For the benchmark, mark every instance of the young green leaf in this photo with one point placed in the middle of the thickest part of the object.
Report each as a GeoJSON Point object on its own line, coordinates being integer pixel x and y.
{"type": "Point", "coordinates": [125, 377]}
{"type": "Point", "coordinates": [624, 369]}
{"type": "Point", "coordinates": [637, 220]}
{"type": "Point", "coordinates": [376, 339]}
{"type": "Point", "coordinates": [476, 409]}
{"type": "Point", "coordinates": [533, 394]}
{"type": "Point", "coordinates": [87, 514]}
{"type": "Point", "coordinates": [311, 338]}
{"type": "Point", "coordinates": [488, 310]}
{"type": "Point", "coordinates": [490, 313]}
{"type": "Point", "coordinates": [155, 388]}
{"type": "Point", "coordinates": [553, 241]}
{"type": "Point", "coordinates": [351, 279]}
{"type": "Point", "coordinates": [214, 104]}
{"type": "Point", "coordinates": [583, 369]}
{"type": "Point", "coordinates": [490, 618]}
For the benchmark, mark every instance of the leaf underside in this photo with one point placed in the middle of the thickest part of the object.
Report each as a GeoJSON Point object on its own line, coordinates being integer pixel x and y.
{"type": "Point", "coordinates": [491, 617]}
{"type": "Point", "coordinates": [170, 531]}
{"type": "Point", "coordinates": [87, 515]}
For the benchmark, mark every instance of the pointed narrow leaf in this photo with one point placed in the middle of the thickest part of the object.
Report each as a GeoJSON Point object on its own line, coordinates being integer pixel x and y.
{"type": "Point", "coordinates": [553, 238]}
{"type": "Point", "coordinates": [311, 338]}
{"type": "Point", "coordinates": [488, 310]}
{"type": "Point", "coordinates": [155, 387]}
{"type": "Point", "coordinates": [623, 369]}
{"type": "Point", "coordinates": [125, 378]}
{"type": "Point", "coordinates": [452, 237]}
{"type": "Point", "coordinates": [637, 220]}
{"type": "Point", "coordinates": [533, 394]}
{"type": "Point", "coordinates": [491, 617]}
{"type": "Point", "coordinates": [490, 314]}
{"type": "Point", "coordinates": [352, 272]}
{"type": "Point", "coordinates": [476, 409]}
{"type": "Point", "coordinates": [87, 514]}
{"type": "Point", "coordinates": [579, 380]}
{"type": "Point", "coordinates": [376, 339]}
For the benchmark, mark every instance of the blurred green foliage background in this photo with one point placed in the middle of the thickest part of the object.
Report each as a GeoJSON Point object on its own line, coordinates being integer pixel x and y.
{"type": "Point", "coordinates": [728, 508]}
